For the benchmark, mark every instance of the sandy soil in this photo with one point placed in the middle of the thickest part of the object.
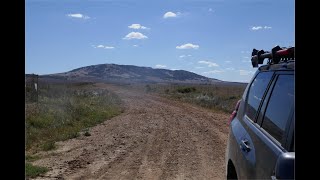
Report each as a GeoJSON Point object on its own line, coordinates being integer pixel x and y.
{"type": "Point", "coordinates": [155, 138]}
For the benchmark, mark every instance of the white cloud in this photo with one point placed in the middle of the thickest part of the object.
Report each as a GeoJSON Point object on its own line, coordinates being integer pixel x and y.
{"type": "Point", "coordinates": [137, 26]}
{"type": "Point", "coordinates": [227, 61]}
{"type": "Point", "coordinates": [135, 35]}
{"type": "Point", "coordinates": [255, 28]}
{"type": "Point", "coordinates": [199, 67]}
{"type": "Point", "coordinates": [188, 46]}
{"type": "Point", "coordinates": [210, 10]}
{"type": "Point", "coordinates": [78, 15]}
{"type": "Point", "coordinates": [213, 72]}
{"type": "Point", "coordinates": [160, 66]}
{"type": "Point", "coordinates": [230, 69]}
{"type": "Point", "coordinates": [102, 46]}
{"type": "Point", "coordinates": [210, 64]}
{"type": "Point", "coordinates": [171, 15]}
{"type": "Point", "coordinates": [183, 56]}
{"type": "Point", "coordinates": [135, 45]}
{"type": "Point", "coordinates": [245, 72]}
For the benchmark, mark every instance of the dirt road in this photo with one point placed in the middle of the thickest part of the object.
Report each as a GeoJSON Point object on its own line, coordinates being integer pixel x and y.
{"type": "Point", "coordinates": [155, 138]}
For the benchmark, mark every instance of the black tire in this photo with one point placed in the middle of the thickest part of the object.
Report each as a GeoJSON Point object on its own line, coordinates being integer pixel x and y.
{"type": "Point", "coordinates": [232, 174]}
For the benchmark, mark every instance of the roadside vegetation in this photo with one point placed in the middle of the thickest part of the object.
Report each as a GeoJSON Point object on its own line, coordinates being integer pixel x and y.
{"type": "Point", "coordinates": [34, 171]}
{"type": "Point", "coordinates": [62, 111]}
{"type": "Point", "coordinates": [215, 97]}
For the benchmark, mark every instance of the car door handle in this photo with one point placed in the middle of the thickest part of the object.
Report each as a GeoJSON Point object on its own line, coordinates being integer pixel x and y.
{"type": "Point", "coordinates": [244, 145]}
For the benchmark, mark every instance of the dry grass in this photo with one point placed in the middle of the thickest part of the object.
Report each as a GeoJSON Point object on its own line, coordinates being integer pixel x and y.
{"type": "Point", "coordinates": [63, 111]}
{"type": "Point", "coordinates": [217, 97]}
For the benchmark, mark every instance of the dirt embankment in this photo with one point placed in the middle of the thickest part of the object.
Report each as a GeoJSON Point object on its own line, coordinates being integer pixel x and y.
{"type": "Point", "coordinates": [155, 138]}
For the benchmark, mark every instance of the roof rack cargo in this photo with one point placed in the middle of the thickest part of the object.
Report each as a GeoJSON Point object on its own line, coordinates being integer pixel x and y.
{"type": "Point", "coordinates": [276, 55]}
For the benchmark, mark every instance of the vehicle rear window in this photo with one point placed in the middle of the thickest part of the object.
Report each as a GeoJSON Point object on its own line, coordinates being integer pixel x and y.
{"type": "Point", "coordinates": [280, 107]}
{"type": "Point", "coordinates": [256, 91]}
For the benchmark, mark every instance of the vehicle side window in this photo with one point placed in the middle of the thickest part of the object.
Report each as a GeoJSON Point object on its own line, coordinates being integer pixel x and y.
{"type": "Point", "coordinates": [280, 107]}
{"type": "Point", "coordinates": [256, 92]}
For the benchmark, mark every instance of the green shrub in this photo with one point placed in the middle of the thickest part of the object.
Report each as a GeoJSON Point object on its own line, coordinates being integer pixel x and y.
{"type": "Point", "coordinates": [87, 134]}
{"type": "Point", "coordinates": [34, 171]}
{"type": "Point", "coordinates": [31, 158]}
{"type": "Point", "coordinates": [186, 89]}
{"type": "Point", "coordinates": [148, 88]}
{"type": "Point", "coordinates": [47, 146]}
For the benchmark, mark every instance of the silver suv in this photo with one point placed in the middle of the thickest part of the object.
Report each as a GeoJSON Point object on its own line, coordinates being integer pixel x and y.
{"type": "Point", "coordinates": [262, 126]}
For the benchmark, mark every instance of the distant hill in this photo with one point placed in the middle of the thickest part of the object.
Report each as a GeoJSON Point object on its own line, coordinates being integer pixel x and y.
{"type": "Point", "coordinates": [129, 73]}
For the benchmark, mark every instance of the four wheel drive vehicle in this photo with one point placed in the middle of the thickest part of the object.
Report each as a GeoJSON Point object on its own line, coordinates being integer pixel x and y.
{"type": "Point", "coordinates": [262, 126]}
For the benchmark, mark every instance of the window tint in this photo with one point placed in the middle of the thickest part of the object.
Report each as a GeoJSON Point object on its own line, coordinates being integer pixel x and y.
{"type": "Point", "coordinates": [280, 107]}
{"type": "Point", "coordinates": [257, 89]}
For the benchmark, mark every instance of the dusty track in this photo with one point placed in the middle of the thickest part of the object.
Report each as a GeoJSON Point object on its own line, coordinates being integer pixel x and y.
{"type": "Point", "coordinates": [155, 138]}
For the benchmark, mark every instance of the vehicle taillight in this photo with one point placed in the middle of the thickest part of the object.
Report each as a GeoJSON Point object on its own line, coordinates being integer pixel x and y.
{"type": "Point", "coordinates": [234, 113]}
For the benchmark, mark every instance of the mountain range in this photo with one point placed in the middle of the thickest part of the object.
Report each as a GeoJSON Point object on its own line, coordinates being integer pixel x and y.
{"type": "Point", "coordinates": [129, 74]}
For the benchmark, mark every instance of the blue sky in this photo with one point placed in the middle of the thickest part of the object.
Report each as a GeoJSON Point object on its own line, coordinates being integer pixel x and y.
{"type": "Point", "coordinates": [213, 38]}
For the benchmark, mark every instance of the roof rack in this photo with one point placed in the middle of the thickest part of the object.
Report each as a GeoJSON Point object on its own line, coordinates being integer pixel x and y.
{"type": "Point", "coordinates": [276, 55]}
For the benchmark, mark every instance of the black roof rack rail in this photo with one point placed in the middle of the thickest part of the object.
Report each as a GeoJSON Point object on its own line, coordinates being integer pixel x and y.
{"type": "Point", "coordinates": [276, 55]}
